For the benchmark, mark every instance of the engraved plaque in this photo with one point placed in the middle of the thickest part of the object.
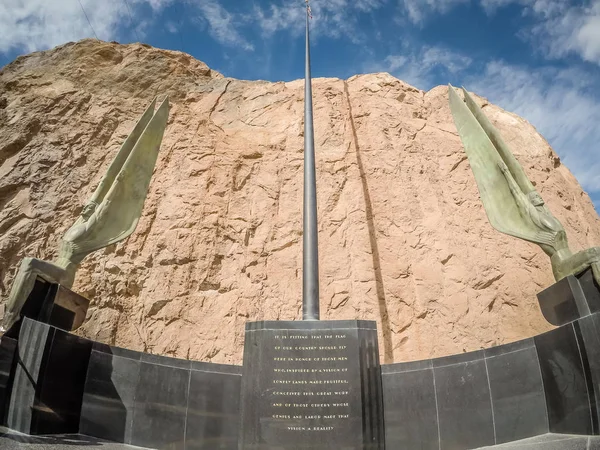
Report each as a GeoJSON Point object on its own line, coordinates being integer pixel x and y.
{"type": "Point", "coordinates": [312, 384]}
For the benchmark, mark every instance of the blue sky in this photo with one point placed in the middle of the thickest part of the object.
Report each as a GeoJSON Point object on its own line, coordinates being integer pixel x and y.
{"type": "Point", "coordinates": [537, 58]}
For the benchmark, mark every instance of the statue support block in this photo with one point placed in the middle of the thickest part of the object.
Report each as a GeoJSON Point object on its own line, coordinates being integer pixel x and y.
{"type": "Point", "coordinates": [570, 299]}
{"type": "Point", "coordinates": [55, 305]}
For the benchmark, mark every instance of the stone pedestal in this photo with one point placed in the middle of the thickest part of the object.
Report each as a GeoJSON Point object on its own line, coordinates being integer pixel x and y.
{"type": "Point", "coordinates": [64, 308]}
{"type": "Point", "coordinates": [311, 384]}
{"type": "Point", "coordinates": [55, 305]}
{"type": "Point", "coordinates": [570, 299]}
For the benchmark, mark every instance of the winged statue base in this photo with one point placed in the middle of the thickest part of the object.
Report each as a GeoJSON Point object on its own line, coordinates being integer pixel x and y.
{"type": "Point", "coordinates": [570, 299]}
{"type": "Point", "coordinates": [111, 214]}
{"type": "Point", "coordinates": [53, 304]}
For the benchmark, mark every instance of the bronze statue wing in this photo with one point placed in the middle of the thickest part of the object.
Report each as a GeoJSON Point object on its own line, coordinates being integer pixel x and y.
{"type": "Point", "coordinates": [500, 205]}
{"type": "Point", "coordinates": [120, 208]}
{"type": "Point", "coordinates": [117, 163]}
{"type": "Point", "coordinates": [505, 153]}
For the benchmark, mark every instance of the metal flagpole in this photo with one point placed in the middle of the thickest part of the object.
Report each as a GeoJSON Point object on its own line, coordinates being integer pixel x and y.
{"type": "Point", "coordinates": [310, 262]}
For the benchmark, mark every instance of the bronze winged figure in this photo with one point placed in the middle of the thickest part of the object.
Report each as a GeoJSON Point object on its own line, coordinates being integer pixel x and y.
{"type": "Point", "coordinates": [110, 215]}
{"type": "Point", "coordinates": [512, 204]}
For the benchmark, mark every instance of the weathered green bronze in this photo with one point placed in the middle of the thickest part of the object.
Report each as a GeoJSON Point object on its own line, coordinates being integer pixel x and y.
{"type": "Point", "coordinates": [110, 215]}
{"type": "Point", "coordinates": [512, 204]}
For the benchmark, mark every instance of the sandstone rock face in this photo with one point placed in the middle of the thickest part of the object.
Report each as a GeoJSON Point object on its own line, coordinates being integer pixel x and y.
{"type": "Point", "coordinates": [404, 239]}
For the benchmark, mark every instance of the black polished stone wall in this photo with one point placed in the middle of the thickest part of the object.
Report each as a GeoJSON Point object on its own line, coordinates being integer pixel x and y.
{"type": "Point", "coordinates": [8, 352]}
{"type": "Point", "coordinates": [311, 384]}
{"type": "Point", "coordinates": [160, 402]}
{"type": "Point", "coordinates": [589, 345]}
{"type": "Point", "coordinates": [591, 290]}
{"type": "Point", "coordinates": [550, 383]}
{"type": "Point", "coordinates": [54, 382]}
{"type": "Point", "coordinates": [465, 401]}
{"type": "Point", "coordinates": [564, 371]}
{"type": "Point", "coordinates": [31, 346]}
{"type": "Point", "coordinates": [49, 376]}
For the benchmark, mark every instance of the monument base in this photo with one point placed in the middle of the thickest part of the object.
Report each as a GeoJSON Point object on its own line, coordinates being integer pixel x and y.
{"type": "Point", "coordinates": [311, 384]}
{"type": "Point", "coordinates": [53, 304]}
{"type": "Point", "coordinates": [570, 299]}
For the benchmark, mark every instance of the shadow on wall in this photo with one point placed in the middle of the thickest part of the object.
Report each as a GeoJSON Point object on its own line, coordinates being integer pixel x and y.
{"type": "Point", "coordinates": [103, 412]}
{"type": "Point", "coordinates": [388, 355]}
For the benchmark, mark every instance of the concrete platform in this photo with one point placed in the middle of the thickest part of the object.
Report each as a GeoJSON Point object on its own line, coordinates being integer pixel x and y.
{"type": "Point", "coordinates": [552, 441]}
{"type": "Point", "coordinates": [11, 440]}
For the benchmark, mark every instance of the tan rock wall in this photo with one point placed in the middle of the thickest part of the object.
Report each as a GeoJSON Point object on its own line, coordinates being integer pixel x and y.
{"type": "Point", "coordinates": [404, 239]}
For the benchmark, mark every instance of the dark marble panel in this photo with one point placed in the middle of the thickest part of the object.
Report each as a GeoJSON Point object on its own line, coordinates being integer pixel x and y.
{"type": "Point", "coordinates": [410, 410]}
{"type": "Point", "coordinates": [458, 358]}
{"type": "Point", "coordinates": [406, 367]}
{"type": "Point", "coordinates": [68, 309]}
{"type": "Point", "coordinates": [311, 385]}
{"type": "Point", "coordinates": [160, 407]}
{"type": "Point", "coordinates": [109, 398]}
{"type": "Point", "coordinates": [372, 389]}
{"type": "Point", "coordinates": [590, 347]}
{"type": "Point", "coordinates": [590, 289]}
{"type": "Point", "coordinates": [509, 348]}
{"type": "Point", "coordinates": [166, 361]}
{"type": "Point", "coordinates": [464, 406]}
{"type": "Point", "coordinates": [213, 411]}
{"type": "Point", "coordinates": [563, 302]}
{"type": "Point", "coordinates": [8, 352]}
{"type": "Point", "coordinates": [41, 295]}
{"type": "Point", "coordinates": [34, 342]}
{"type": "Point", "coordinates": [564, 382]}
{"type": "Point", "coordinates": [220, 368]}
{"type": "Point", "coordinates": [583, 353]}
{"type": "Point", "coordinates": [517, 395]}
{"type": "Point", "coordinates": [117, 351]}
{"type": "Point", "coordinates": [60, 386]}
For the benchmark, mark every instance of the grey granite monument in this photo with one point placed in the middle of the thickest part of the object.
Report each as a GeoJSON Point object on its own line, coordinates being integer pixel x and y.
{"type": "Point", "coordinates": [311, 384]}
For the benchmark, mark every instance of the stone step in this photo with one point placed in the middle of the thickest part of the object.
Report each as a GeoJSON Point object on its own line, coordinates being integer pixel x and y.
{"type": "Point", "coordinates": [12, 440]}
{"type": "Point", "coordinates": [552, 441]}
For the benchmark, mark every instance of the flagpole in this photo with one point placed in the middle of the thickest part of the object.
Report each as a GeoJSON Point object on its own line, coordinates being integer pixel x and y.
{"type": "Point", "coordinates": [310, 262]}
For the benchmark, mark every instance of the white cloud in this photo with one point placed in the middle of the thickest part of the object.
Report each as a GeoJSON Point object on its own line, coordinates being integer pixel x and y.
{"type": "Point", "coordinates": [332, 18]}
{"type": "Point", "coordinates": [546, 8]}
{"type": "Point", "coordinates": [576, 31]}
{"type": "Point", "coordinates": [588, 36]}
{"type": "Point", "coordinates": [419, 68]}
{"type": "Point", "coordinates": [418, 9]}
{"type": "Point", "coordinates": [451, 61]}
{"type": "Point", "coordinates": [276, 18]}
{"type": "Point", "coordinates": [171, 27]}
{"type": "Point", "coordinates": [560, 27]}
{"type": "Point", "coordinates": [222, 24]}
{"type": "Point", "coordinates": [38, 24]}
{"type": "Point", "coordinates": [30, 25]}
{"type": "Point", "coordinates": [558, 104]}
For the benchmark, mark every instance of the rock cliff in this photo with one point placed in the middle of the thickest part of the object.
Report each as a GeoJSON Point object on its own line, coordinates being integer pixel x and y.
{"type": "Point", "coordinates": [404, 239]}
